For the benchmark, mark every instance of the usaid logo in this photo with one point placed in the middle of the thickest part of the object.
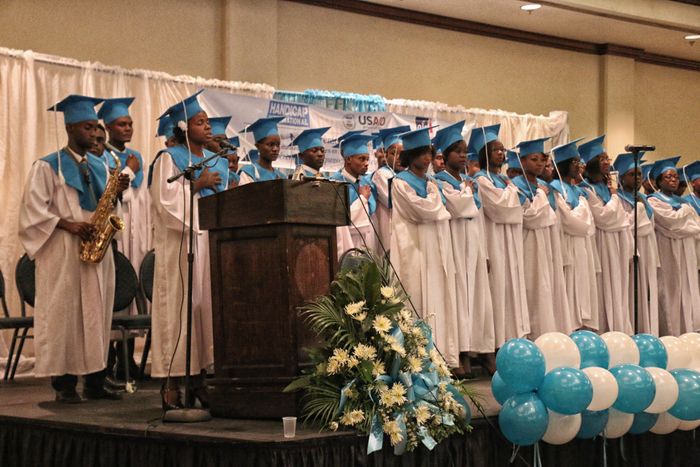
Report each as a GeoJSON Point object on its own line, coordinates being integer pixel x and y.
{"type": "Point", "coordinates": [349, 121]}
{"type": "Point", "coordinates": [371, 121]}
{"type": "Point", "coordinates": [294, 114]}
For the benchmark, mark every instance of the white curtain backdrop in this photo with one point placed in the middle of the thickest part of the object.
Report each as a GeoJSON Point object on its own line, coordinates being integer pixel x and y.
{"type": "Point", "coordinates": [31, 82]}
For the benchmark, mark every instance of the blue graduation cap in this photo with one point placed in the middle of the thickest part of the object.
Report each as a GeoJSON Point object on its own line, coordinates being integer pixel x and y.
{"type": "Point", "coordinates": [310, 138]}
{"type": "Point", "coordinates": [390, 136]}
{"type": "Point", "coordinates": [345, 136]}
{"type": "Point", "coordinates": [264, 127]}
{"type": "Point", "coordinates": [566, 151]}
{"type": "Point", "coordinates": [186, 109]}
{"type": "Point", "coordinates": [625, 162]}
{"type": "Point", "coordinates": [234, 141]}
{"type": "Point", "coordinates": [112, 109]}
{"type": "Point", "coordinates": [219, 125]}
{"type": "Point", "coordinates": [447, 136]}
{"type": "Point", "coordinates": [253, 155]}
{"type": "Point", "coordinates": [416, 139]}
{"type": "Point", "coordinates": [591, 149]}
{"type": "Point", "coordinates": [692, 171]}
{"type": "Point", "coordinates": [376, 141]}
{"type": "Point", "coordinates": [354, 145]}
{"type": "Point", "coordinates": [77, 108]}
{"type": "Point", "coordinates": [662, 166]}
{"type": "Point", "coordinates": [533, 146]}
{"type": "Point", "coordinates": [646, 169]}
{"type": "Point", "coordinates": [165, 126]}
{"type": "Point", "coordinates": [513, 160]}
{"type": "Point", "coordinates": [472, 156]}
{"type": "Point", "coordinates": [481, 136]}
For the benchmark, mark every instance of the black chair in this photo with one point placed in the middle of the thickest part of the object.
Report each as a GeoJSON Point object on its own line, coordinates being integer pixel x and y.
{"type": "Point", "coordinates": [146, 274]}
{"type": "Point", "coordinates": [24, 278]}
{"type": "Point", "coordinates": [126, 288]}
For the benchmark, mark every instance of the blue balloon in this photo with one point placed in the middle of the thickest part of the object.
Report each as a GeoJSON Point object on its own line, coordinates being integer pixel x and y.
{"type": "Point", "coordinates": [521, 365]}
{"type": "Point", "coordinates": [652, 351]}
{"type": "Point", "coordinates": [523, 419]}
{"type": "Point", "coordinates": [643, 422]}
{"type": "Point", "coordinates": [592, 348]}
{"type": "Point", "coordinates": [636, 388]}
{"type": "Point", "coordinates": [501, 391]}
{"type": "Point", "coordinates": [566, 390]}
{"type": "Point", "coordinates": [592, 423]}
{"type": "Point", "coordinates": [687, 407]}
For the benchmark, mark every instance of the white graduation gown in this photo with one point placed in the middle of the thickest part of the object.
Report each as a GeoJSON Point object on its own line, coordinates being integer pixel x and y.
{"type": "Point", "coordinates": [360, 233]}
{"type": "Point", "coordinates": [74, 300]}
{"type": "Point", "coordinates": [580, 261]}
{"type": "Point", "coordinates": [170, 213]}
{"type": "Point", "coordinates": [648, 293]}
{"type": "Point", "coordinates": [474, 309]}
{"type": "Point", "coordinates": [421, 252]}
{"type": "Point", "coordinates": [679, 298]}
{"type": "Point", "coordinates": [547, 301]}
{"type": "Point", "coordinates": [503, 225]}
{"type": "Point", "coordinates": [614, 244]}
{"type": "Point", "coordinates": [380, 178]}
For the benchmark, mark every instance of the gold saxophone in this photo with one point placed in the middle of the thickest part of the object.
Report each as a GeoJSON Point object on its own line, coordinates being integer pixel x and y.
{"type": "Point", "coordinates": [105, 223]}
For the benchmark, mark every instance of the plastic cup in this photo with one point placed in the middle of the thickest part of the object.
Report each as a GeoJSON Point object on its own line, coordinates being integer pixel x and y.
{"type": "Point", "coordinates": [290, 426]}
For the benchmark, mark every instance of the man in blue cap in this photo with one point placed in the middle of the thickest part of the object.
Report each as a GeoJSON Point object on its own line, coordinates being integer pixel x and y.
{"type": "Point", "coordinates": [170, 208]}
{"type": "Point", "coordinates": [677, 228]}
{"type": "Point", "coordinates": [503, 224]}
{"type": "Point", "coordinates": [362, 204]}
{"type": "Point", "coordinates": [475, 317]}
{"type": "Point", "coordinates": [578, 237]}
{"type": "Point", "coordinates": [312, 153]}
{"type": "Point", "coordinates": [267, 141]}
{"type": "Point", "coordinates": [613, 238]}
{"type": "Point", "coordinates": [691, 173]}
{"type": "Point", "coordinates": [648, 294]}
{"type": "Point", "coordinates": [74, 299]}
{"type": "Point", "coordinates": [135, 240]}
{"type": "Point", "coordinates": [390, 141]}
{"type": "Point", "coordinates": [545, 286]}
{"type": "Point", "coordinates": [421, 243]}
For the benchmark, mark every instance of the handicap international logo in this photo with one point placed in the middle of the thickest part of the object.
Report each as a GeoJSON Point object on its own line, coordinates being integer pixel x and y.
{"type": "Point", "coordinates": [294, 114]}
{"type": "Point", "coordinates": [349, 121]}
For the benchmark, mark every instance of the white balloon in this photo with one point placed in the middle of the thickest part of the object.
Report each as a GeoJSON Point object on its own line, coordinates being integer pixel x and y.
{"type": "Point", "coordinates": [678, 353]}
{"type": "Point", "coordinates": [688, 426]}
{"type": "Point", "coordinates": [605, 388]}
{"type": "Point", "coordinates": [621, 347]}
{"type": "Point", "coordinates": [561, 428]}
{"type": "Point", "coordinates": [666, 390]}
{"type": "Point", "coordinates": [666, 424]}
{"type": "Point", "coordinates": [559, 350]}
{"type": "Point", "coordinates": [618, 424]}
{"type": "Point", "coordinates": [692, 342]}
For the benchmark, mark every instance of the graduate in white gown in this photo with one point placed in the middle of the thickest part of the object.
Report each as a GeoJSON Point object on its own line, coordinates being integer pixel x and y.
{"type": "Point", "coordinates": [421, 244]}
{"type": "Point", "coordinates": [171, 223]}
{"type": "Point", "coordinates": [648, 264]}
{"type": "Point", "coordinates": [691, 173]}
{"type": "Point", "coordinates": [503, 224]}
{"type": "Point", "coordinates": [391, 144]}
{"type": "Point", "coordinates": [362, 205]}
{"type": "Point", "coordinates": [312, 153]}
{"type": "Point", "coordinates": [613, 239]}
{"type": "Point", "coordinates": [74, 299]}
{"type": "Point", "coordinates": [474, 310]}
{"type": "Point", "coordinates": [677, 228]}
{"type": "Point", "coordinates": [267, 141]}
{"type": "Point", "coordinates": [135, 240]}
{"type": "Point", "coordinates": [547, 299]}
{"type": "Point", "coordinates": [579, 255]}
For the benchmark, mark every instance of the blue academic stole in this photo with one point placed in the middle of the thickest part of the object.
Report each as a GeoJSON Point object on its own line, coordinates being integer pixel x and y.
{"type": "Point", "coordinates": [419, 184]}
{"type": "Point", "coordinates": [181, 158]}
{"type": "Point", "coordinates": [694, 201]}
{"type": "Point", "coordinates": [89, 182]}
{"type": "Point", "coordinates": [602, 190]}
{"type": "Point", "coordinates": [674, 201]}
{"type": "Point", "coordinates": [138, 176]}
{"type": "Point", "coordinates": [499, 181]}
{"type": "Point", "coordinates": [629, 198]}
{"type": "Point", "coordinates": [259, 174]}
{"type": "Point", "coordinates": [570, 192]}
{"type": "Point", "coordinates": [353, 192]}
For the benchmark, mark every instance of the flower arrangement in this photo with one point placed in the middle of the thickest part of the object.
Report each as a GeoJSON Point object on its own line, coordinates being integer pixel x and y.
{"type": "Point", "coordinates": [377, 369]}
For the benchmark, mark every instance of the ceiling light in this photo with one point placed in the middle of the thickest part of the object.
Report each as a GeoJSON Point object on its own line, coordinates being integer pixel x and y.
{"type": "Point", "coordinates": [692, 37]}
{"type": "Point", "coordinates": [530, 7]}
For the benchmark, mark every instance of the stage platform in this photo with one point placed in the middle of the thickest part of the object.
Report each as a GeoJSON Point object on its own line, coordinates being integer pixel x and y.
{"type": "Point", "coordinates": [36, 431]}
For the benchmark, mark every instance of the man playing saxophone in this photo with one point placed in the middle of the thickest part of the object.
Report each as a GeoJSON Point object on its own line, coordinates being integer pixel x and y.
{"type": "Point", "coordinates": [74, 298]}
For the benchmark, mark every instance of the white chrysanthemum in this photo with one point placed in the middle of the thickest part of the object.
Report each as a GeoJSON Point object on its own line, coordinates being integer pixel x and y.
{"type": "Point", "coordinates": [333, 426]}
{"type": "Point", "coordinates": [415, 364]}
{"type": "Point", "coordinates": [399, 349]}
{"type": "Point", "coordinates": [352, 362]}
{"type": "Point", "coordinates": [387, 291]}
{"type": "Point", "coordinates": [340, 354]}
{"type": "Point", "coordinates": [378, 369]}
{"type": "Point", "coordinates": [360, 316]}
{"type": "Point", "coordinates": [353, 417]}
{"type": "Point", "coordinates": [394, 396]}
{"type": "Point", "coordinates": [392, 429]}
{"type": "Point", "coordinates": [333, 366]}
{"type": "Point", "coordinates": [406, 315]}
{"type": "Point", "coordinates": [350, 393]}
{"type": "Point", "coordinates": [422, 414]}
{"type": "Point", "coordinates": [365, 352]}
{"type": "Point", "coordinates": [422, 353]}
{"type": "Point", "coordinates": [381, 324]}
{"type": "Point", "coordinates": [353, 309]}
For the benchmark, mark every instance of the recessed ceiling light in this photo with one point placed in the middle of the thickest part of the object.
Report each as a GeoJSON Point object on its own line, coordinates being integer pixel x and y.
{"type": "Point", "coordinates": [692, 37]}
{"type": "Point", "coordinates": [531, 7]}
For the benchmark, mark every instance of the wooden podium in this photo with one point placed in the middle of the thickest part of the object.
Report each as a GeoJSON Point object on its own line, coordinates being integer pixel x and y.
{"type": "Point", "coordinates": [272, 248]}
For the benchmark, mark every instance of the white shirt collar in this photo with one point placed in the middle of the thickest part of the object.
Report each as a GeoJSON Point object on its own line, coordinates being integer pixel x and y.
{"type": "Point", "coordinates": [77, 157]}
{"type": "Point", "coordinates": [349, 177]}
{"type": "Point", "coordinates": [309, 169]}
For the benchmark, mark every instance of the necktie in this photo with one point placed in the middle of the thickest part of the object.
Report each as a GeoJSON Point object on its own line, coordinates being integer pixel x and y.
{"type": "Point", "coordinates": [85, 172]}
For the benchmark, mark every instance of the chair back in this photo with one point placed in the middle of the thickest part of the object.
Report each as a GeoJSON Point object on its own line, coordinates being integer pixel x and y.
{"type": "Point", "coordinates": [126, 283]}
{"type": "Point", "coordinates": [26, 281]}
{"type": "Point", "coordinates": [146, 272]}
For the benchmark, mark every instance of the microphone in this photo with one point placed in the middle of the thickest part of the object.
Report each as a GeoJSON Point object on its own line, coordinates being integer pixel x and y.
{"type": "Point", "coordinates": [639, 148]}
{"type": "Point", "coordinates": [226, 145]}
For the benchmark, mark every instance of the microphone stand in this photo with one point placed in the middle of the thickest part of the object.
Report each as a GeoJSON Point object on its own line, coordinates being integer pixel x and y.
{"type": "Point", "coordinates": [635, 258]}
{"type": "Point", "coordinates": [189, 414]}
